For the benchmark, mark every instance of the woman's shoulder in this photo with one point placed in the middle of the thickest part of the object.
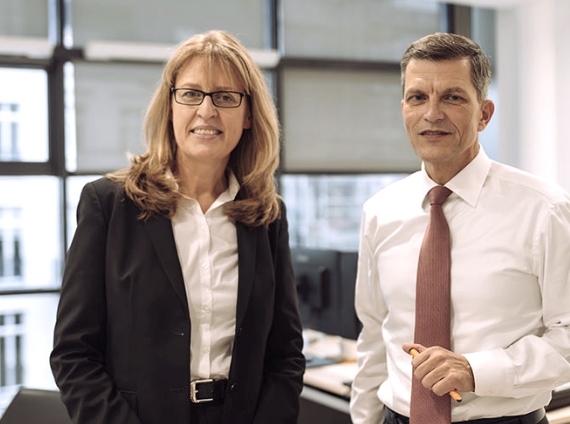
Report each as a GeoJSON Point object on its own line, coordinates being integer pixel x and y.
{"type": "Point", "coordinates": [105, 185]}
{"type": "Point", "coordinates": [105, 189]}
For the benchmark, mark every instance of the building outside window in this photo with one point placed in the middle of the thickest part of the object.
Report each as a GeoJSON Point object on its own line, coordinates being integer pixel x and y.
{"type": "Point", "coordinates": [9, 149]}
{"type": "Point", "coordinates": [31, 253]}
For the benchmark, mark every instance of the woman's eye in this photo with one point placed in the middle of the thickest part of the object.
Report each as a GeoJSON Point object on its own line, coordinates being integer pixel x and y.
{"type": "Point", "coordinates": [191, 94]}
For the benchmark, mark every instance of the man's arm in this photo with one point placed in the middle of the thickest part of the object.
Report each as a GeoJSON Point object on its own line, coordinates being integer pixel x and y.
{"type": "Point", "coordinates": [365, 407]}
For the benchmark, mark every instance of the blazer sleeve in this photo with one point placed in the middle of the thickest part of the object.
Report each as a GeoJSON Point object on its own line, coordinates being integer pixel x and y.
{"type": "Point", "coordinates": [78, 356]}
{"type": "Point", "coordinates": [284, 361]}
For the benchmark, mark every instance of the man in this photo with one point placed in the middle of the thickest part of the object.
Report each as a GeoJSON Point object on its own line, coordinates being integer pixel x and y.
{"type": "Point", "coordinates": [510, 261]}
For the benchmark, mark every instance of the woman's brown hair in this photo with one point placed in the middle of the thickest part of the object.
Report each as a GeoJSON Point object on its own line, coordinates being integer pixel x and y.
{"type": "Point", "coordinates": [149, 181]}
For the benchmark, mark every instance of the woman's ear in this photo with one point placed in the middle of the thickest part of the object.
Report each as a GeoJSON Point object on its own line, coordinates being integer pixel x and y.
{"type": "Point", "coordinates": [247, 122]}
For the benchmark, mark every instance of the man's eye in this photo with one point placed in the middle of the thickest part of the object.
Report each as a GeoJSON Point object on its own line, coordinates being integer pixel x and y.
{"type": "Point", "coordinates": [415, 98]}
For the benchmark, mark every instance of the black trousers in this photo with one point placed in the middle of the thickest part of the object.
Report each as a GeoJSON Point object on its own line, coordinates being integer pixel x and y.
{"type": "Point", "coordinates": [207, 413]}
{"type": "Point", "coordinates": [392, 417]}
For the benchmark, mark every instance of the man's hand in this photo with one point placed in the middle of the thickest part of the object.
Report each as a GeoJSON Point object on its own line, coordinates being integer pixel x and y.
{"type": "Point", "coordinates": [441, 370]}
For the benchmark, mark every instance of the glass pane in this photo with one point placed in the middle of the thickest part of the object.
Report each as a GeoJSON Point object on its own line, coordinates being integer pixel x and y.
{"type": "Point", "coordinates": [74, 187]}
{"type": "Point", "coordinates": [24, 18]}
{"type": "Point", "coordinates": [26, 339]}
{"type": "Point", "coordinates": [167, 21]}
{"type": "Point", "coordinates": [111, 100]}
{"type": "Point", "coordinates": [356, 29]}
{"type": "Point", "coordinates": [324, 211]}
{"type": "Point", "coordinates": [30, 233]}
{"type": "Point", "coordinates": [342, 121]}
{"type": "Point", "coordinates": [23, 115]}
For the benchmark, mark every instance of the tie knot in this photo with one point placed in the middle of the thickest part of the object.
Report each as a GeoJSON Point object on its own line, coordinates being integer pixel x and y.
{"type": "Point", "coordinates": [438, 194]}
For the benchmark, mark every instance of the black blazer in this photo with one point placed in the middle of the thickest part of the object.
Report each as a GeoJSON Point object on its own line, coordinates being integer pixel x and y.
{"type": "Point", "coordinates": [122, 339]}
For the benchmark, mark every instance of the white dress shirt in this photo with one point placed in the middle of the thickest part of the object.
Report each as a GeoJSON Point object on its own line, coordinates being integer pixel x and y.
{"type": "Point", "coordinates": [207, 251]}
{"type": "Point", "coordinates": [510, 290]}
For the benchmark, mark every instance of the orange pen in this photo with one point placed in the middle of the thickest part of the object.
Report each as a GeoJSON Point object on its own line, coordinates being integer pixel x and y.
{"type": "Point", "coordinates": [453, 393]}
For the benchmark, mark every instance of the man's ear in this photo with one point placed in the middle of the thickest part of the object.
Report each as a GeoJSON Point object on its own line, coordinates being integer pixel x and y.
{"type": "Point", "coordinates": [487, 110]}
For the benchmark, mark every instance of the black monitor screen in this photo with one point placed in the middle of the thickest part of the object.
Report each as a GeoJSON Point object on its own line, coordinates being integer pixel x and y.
{"type": "Point", "coordinates": [325, 286]}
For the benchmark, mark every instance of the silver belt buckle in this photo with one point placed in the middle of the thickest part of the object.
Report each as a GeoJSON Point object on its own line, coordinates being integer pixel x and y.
{"type": "Point", "coordinates": [194, 390]}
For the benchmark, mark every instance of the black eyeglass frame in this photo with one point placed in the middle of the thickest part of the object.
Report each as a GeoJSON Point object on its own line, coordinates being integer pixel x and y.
{"type": "Point", "coordinates": [173, 90]}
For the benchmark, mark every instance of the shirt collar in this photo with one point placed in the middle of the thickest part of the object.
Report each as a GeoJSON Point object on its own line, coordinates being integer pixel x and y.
{"type": "Point", "coordinates": [468, 183]}
{"type": "Point", "coordinates": [228, 195]}
{"type": "Point", "coordinates": [232, 190]}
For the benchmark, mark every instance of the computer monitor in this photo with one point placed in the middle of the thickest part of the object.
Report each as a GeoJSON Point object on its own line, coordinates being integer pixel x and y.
{"type": "Point", "coordinates": [325, 287]}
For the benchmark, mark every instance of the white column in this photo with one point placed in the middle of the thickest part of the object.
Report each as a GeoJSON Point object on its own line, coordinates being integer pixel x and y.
{"type": "Point", "coordinates": [533, 77]}
{"type": "Point", "coordinates": [562, 40]}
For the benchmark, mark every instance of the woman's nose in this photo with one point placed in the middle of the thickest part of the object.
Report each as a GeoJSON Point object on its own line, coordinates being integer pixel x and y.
{"type": "Point", "coordinates": [207, 109]}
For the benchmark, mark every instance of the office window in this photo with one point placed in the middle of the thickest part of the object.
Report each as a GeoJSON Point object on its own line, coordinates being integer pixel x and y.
{"type": "Point", "coordinates": [30, 232]}
{"type": "Point", "coordinates": [344, 121]}
{"type": "Point", "coordinates": [26, 334]}
{"type": "Point", "coordinates": [327, 29]}
{"type": "Point", "coordinates": [11, 334]}
{"type": "Point", "coordinates": [10, 243]}
{"type": "Point", "coordinates": [9, 149]}
{"type": "Point", "coordinates": [23, 115]}
{"type": "Point", "coordinates": [24, 18]}
{"type": "Point", "coordinates": [110, 103]}
{"type": "Point", "coordinates": [324, 211]}
{"type": "Point", "coordinates": [167, 21]}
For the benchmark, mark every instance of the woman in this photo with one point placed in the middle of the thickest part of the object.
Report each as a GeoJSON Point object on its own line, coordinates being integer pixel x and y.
{"type": "Point", "coordinates": [178, 301]}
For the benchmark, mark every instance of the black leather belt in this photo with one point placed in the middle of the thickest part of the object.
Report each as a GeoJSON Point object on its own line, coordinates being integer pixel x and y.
{"type": "Point", "coordinates": [534, 417]}
{"type": "Point", "coordinates": [207, 390]}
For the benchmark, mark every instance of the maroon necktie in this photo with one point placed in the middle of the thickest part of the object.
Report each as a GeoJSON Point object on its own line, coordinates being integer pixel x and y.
{"type": "Point", "coordinates": [432, 307]}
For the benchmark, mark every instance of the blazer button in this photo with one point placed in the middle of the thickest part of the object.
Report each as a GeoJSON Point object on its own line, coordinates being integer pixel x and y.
{"type": "Point", "coordinates": [239, 331]}
{"type": "Point", "coordinates": [233, 386]}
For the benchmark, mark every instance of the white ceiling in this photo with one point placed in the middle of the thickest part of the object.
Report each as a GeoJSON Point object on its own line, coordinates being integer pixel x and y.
{"type": "Point", "coordinates": [496, 4]}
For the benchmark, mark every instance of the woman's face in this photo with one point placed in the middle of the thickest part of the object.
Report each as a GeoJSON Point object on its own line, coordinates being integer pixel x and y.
{"type": "Point", "coordinates": [206, 134]}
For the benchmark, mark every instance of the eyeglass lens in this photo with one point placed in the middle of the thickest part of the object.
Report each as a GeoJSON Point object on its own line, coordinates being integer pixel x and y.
{"type": "Point", "coordinates": [219, 98]}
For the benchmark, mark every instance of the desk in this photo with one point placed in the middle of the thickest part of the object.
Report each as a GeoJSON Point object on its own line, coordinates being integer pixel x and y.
{"type": "Point", "coordinates": [325, 397]}
{"type": "Point", "coordinates": [559, 416]}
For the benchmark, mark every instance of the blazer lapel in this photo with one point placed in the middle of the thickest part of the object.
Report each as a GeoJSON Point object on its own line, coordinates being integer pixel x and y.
{"type": "Point", "coordinates": [247, 251]}
{"type": "Point", "coordinates": [162, 237]}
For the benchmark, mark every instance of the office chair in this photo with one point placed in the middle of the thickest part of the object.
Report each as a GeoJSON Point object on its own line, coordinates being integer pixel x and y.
{"type": "Point", "coordinates": [35, 406]}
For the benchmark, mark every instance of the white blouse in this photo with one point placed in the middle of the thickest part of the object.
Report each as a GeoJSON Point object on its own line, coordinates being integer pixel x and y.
{"type": "Point", "coordinates": [207, 251]}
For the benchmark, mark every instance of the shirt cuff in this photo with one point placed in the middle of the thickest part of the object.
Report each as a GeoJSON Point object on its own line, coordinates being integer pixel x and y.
{"type": "Point", "coordinates": [493, 372]}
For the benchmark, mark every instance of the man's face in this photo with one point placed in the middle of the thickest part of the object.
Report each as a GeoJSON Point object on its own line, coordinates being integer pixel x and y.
{"type": "Point", "coordinates": [442, 115]}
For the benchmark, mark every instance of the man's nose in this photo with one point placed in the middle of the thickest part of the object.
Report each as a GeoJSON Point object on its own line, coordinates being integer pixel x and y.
{"type": "Point", "coordinates": [433, 112]}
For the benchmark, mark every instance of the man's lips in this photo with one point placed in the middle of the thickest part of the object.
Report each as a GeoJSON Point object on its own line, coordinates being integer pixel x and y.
{"type": "Point", "coordinates": [433, 133]}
